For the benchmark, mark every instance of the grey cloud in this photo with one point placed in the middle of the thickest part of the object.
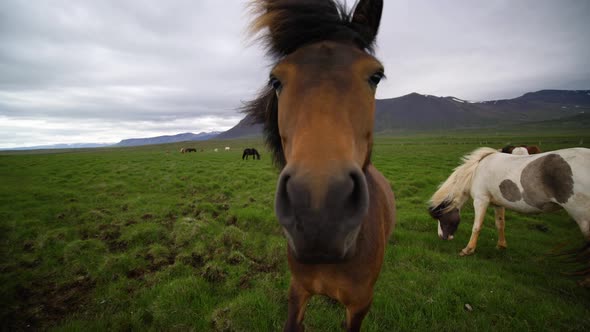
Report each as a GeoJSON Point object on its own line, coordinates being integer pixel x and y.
{"type": "Point", "coordinates": [153, 65]}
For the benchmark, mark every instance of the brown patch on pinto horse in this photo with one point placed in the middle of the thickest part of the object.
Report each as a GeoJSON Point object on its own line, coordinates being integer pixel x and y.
{"type": "Point", "coordinates": [545, 178]}
{"type": "Point", "coordinates": [510, 191]}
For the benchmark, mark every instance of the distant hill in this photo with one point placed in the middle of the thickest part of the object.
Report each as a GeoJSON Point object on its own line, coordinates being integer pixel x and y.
{"type": "Point", "coordinates": [168, 139]}
{"type": "Point", "coordinates": [417, 112]}
{"type": "Point", "coordinates": [245, 128]}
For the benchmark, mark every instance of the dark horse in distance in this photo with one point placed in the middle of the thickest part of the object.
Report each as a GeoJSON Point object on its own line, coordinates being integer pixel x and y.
{"type": "Point", "coordinates": [318, 109]}
{"type": "Point", "coordinates": [250, 152]}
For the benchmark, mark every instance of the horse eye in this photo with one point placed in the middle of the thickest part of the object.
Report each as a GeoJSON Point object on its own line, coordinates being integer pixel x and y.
{"type": "Point", "coordinates": [274, 83]}
{"type": "Point", "coordinates": [376, 78]}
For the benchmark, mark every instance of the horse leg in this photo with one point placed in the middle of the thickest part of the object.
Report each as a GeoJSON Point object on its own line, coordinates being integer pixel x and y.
{"type": "Point", "coordinates": [581, 215]}
{"type": "Point", "coordinates": [355, 315]}
{"type": "Point", "coordinates": [298, 298]}
{"type": "Point", "coordinates": [480, 207]}
{"type": "Point", "coordinates": [500, 221]}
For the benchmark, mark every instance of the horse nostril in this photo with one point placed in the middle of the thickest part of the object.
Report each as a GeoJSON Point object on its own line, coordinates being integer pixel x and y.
{"type": "Point", "coordinates": [359, 190]}
{"type": "Point", "coordinates": [286, 199]}
{"type": "Point", "coordinates": [356, 186]}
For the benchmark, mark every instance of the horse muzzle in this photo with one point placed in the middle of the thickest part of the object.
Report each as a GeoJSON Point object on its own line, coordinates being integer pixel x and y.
{"type": "Point", "coordinates": [443, 235]}
{"type": "Point", "coordinates": [321, 215]}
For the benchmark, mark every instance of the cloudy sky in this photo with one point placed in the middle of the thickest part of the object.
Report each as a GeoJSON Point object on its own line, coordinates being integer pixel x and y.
{"type": "Point", "coordinates": [102, 71]}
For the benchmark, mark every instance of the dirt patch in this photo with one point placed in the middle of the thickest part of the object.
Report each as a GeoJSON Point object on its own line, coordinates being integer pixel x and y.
{"type": "Point", "coordinates": [42, 305]}
{"type": "Point", "coordinates": [109, 232]}
{"type": "Point", "coordinates": [28, 246]}
{"type": "Point", "coordinates": [157, 263]}
{"type": "Point", "coordinates": [231, 220]}
{"type": "Point", "coordinates": [130, 222]}
{"type": "Point", "coordinates": [214, 273]}
{"type": "Point", "coordinates": [245, 281]}
{"type": "Point", "coordinates": [539, 227]}
{"type": "Point", "coordinates": [136, 273]}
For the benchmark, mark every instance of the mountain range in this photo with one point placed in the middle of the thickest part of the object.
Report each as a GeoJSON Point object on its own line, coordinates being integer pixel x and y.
{"type": "Point", "coordinates": [417, 112]}
{"type": "Point", "coordinates": [202, 136]}
{"type": "Point", "coordinates": [420, 113]}
{"type": "Point", "coordinates": [129, 142]}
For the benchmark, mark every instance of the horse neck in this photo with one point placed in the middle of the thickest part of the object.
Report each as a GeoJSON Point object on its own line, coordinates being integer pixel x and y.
{"type": "Point", "coordinates": [456, 188]}
{"type": "Point", "coordinates": [382, 202]}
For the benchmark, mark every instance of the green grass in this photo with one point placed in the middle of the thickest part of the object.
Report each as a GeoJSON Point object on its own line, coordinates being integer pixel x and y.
{"type": "Point", "coordinates": [147, 238]}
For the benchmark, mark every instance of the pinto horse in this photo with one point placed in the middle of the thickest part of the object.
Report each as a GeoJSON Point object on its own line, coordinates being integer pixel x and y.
{"type": "Point", "coordinates": [250, 152]}
{"type": "Point", "coordinates": [336, 210]}
{"type": "Point", "coordinates": [528, 184]}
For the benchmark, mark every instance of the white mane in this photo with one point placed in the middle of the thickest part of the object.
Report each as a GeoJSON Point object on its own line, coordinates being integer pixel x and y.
{"type": "Point", "coordinates": [455, 190]}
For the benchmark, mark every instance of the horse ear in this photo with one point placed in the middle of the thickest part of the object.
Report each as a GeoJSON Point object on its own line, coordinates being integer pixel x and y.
{"type": "Point", "coordinates": [366, 18]}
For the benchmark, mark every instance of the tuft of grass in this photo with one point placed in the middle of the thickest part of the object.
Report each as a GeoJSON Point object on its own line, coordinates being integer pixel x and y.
{"type": "Point", "coordinates": [84, 256]}
{"type": "Point", "coordinates": [181, 304]}
{"type": "Point", "coordinates": [144, 233]}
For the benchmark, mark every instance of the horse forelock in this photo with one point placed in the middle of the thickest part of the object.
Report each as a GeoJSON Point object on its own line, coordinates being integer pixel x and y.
{"type": "Point", "coordinates": [286, 25]}
{"type": "Point", "coordinates": [437, 210]}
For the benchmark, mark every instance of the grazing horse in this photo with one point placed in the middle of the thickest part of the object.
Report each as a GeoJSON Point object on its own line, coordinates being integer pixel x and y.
{"type": "Point", "coordinates": [318, 109]}
{"type": "Point", "coordinates": [531, 149]}
{"type": "Point", "coordinates": [520, 151]}
{"type": "Point", "coordinates": [250, 152]}
{"type": "Point", "coordinates": [528, 184]}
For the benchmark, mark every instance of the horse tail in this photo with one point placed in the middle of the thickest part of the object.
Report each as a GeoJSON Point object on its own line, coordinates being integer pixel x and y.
{"type": "Point", "coordinates": [453, 191]}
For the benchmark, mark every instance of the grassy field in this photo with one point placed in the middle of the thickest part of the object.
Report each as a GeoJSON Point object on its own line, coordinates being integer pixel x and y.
{"type": "Point", "coordinates": [147, 238]}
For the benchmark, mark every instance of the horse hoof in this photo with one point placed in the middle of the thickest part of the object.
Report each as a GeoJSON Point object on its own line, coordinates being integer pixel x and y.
{"type": "Point", "coordinates": [466, 252]}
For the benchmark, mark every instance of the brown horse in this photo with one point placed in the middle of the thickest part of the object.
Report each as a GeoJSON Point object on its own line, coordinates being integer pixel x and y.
{"type": "Point", "coordinates": [336, 210]}
{"type": "Point", "coordinates": [187, 150]}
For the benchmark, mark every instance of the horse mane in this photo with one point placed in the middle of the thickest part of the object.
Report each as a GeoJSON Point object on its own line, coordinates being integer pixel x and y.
{"type": "Point", "coordinates": [292, 24]}
{"type": "Point", "coordinates": [451, 193]}
{"type": "Point", "coordinates": [289, 25]}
